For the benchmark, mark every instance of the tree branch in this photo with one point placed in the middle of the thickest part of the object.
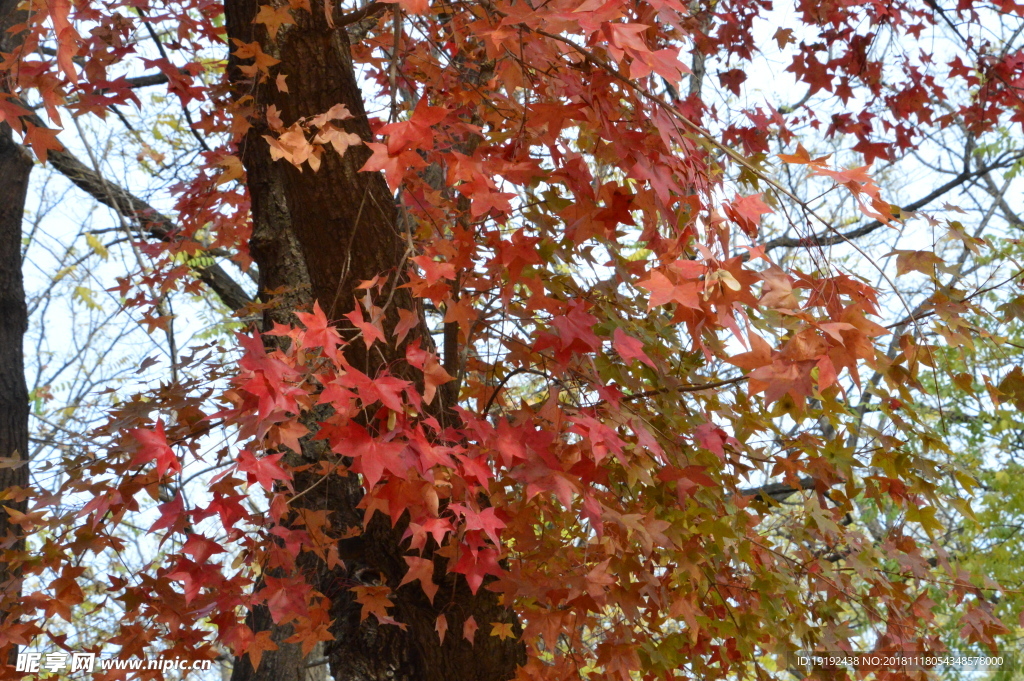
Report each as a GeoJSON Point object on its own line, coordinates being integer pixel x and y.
{"type": "Point", "coordinates": [831, 239]}
{"type": "Point", "coordinates": [370, 9]}
{"type": "Point", "coordinates": [146, 80]}
{"type": "Point", "coordinates": [148, 219]}
{"type": "Point", "coordinates": [779, 491]}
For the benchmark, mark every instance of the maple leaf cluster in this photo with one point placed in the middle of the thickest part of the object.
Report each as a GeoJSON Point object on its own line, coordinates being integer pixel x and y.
{"type": "Point", "coordinates": [623, 365]}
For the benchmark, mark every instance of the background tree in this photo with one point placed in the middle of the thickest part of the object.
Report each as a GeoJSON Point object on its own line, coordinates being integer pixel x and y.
{"type": "Point", "coordinates": [15, 168]}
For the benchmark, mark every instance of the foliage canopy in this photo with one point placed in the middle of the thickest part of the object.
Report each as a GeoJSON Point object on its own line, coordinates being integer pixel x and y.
{"type": "Point", "coordinates": [576, 354]}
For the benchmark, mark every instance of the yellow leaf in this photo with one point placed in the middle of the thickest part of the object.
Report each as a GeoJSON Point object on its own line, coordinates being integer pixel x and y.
{"type": "Point", "coordinates": [63, 273]}
{"type": "Point", "coordinates": [97, 246]}
{"type": "Point", "coordinates": [502, 630]}
{"type": "Point", "coordinates": [233, 170]}
{"type": "Point", "coordinates": [84, 294]}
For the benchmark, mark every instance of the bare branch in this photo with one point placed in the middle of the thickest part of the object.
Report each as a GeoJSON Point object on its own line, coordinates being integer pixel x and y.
{"type": "Point", "coordinates": [831, 239]}
{"type": "Point", "coordinates": [148, 219]}
{"type": "Point", "coordinates": [780, 491]}
{"type": "Point", "coordinates": [370, 9]}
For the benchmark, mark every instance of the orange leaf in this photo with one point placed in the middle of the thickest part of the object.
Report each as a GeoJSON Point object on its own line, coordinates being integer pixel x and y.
{"type": "Point", "coordinates": [502, 630]}
{"type": "Point", "coordinates": [411, 6]}
{"type": "Point", "coordinates": [273, 18]}
{"type": "Point", "coordinates": [261, 643]}
{"type": "Point", "coordinates": [60, 10]}
{"type": "Point", "coordinates": [469, 629]}
{"type": "Point", "coordinates": [421, 569]}
{"type": "Point", "coordinates": [760, 354]}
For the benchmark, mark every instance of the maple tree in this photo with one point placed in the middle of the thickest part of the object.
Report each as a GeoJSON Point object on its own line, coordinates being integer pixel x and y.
{"type": "Point", "coordinates": [553, 371]}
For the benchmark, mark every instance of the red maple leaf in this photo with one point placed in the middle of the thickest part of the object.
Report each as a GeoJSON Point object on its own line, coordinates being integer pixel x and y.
{"type": "Point", "coordinates": [260, 644]}
{"type": "Point", "coordinates": [475, 564]}
{"type": "Point", "coordinates": [407, 321]}
{"type": "Point", "coordinates": [172, 515]}
{"type": "Point", "coordinates": [238, 637]}
{"type": "Point", "coordinates": [746, 212]}
{"type": "Point", "coordinates": [732, 79]}
{"type": "Point", "coordinates": [372, 456]}
{"type": "Point", "coordinates": [319, 332]}
{"type": "Point", "coordinates": [155, 448]}
{"type": "Point", "coordinates": [781, 378]}
{"type": "Point", "coordinates": [192, 575]}
{"type": "Point", "coordinates": [288, 434]}
{"type": "Point", "coordinates": [391, 165]}
{"type": "Point", "coordinates": [200, 547]}
{"type": "Point", "coordinates": [415, 132]}
{"type": "Point", "coordinates": [629, 348]}
{"type": "Point", "coordinates": [375, 601]}
{"type": "Point", "coordinates": [437, 528]}
{"type": "Point", "coordinates": [433, 373]}
{"type": "Point", "coordinates": [263, 470]}
{"type": "Point", "coordinates": [576, 330]}
{"type": "Point", "coordinates": [370, 330]}
{"type": "Point", "coordinates": [625, 37]}
{"type": "Point", "coordinates": [285, 597]}
{"type": "Point", "coordinates": [485, 520]}
{"type": "Point", "coordinates": [228, 508]}
{"type": "Point", "coordinates": [434, 270]}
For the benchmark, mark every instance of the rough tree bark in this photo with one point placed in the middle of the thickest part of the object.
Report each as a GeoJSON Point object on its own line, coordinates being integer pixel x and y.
{"type": "Point", "coordinates": [315, 237]}
{"type": "Point", "coordinates": [15, 168]}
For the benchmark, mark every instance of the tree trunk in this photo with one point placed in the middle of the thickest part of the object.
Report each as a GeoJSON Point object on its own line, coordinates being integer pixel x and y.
{"type": "Point", "coordinates": [15, 168]}
{"type": "Point", "coordinates": [315, 237]}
